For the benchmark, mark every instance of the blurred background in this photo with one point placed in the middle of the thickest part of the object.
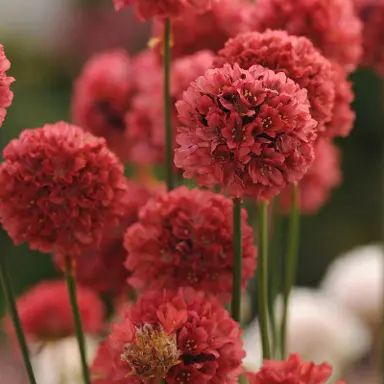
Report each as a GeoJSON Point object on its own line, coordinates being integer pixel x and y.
{"type": "Point", "coordinates": [47, 43]}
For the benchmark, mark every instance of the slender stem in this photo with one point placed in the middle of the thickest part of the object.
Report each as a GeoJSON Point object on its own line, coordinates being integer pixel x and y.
{"type": "Point", "coordinates": [237, 263]}
{"type": "Point", "coordinates": [290, 263]}
{"type": "Point", "coordinates": [168, 106]}
{"type": "Point", "coordinates": [71, 284]}
{"type": "Point", "coordinates": [263, 279]}
{"type": "Point", "coordinates": [11, 303]}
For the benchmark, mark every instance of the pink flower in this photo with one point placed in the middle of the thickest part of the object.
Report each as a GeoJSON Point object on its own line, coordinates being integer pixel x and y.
{"type": "Point", "coordinates": [60, 188]}
{"type": "Point", "coordinates": [148, 9]}
{"type": "Point", "coordinates": [331, 25]}
{"type": "Point", "coordinates": [294, 370]}
{"type": "Point", "coordinates": [6, 95]}
{"type": "Point", "coordinates": [185, 237]}
{"type": "Point", "coordinates": [46, 314]}
{"type": "Point", "coordinates": [371, 13]}
{"type": "Point", "coordinates": [248, 131]}
{"type": "Point", "coordinates": [184, 336]}
{"type": "Point", "coordinates": [322, 177]}
{"type": "Point", "coordinates": [295, 56]}
{"type": "Point", "coordinates": [208, 30]}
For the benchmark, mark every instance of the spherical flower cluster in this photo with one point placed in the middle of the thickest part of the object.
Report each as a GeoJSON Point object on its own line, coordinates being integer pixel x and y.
{"type": "Point", "coordinates": [45, 311]}
{"type": "Point", "coordinates": [295, 56]}
{"type": "Point", "coordinates": [248, 131]}
{"type": "Point", "coordinates": [185, 237]}
{"type": "Point", "coordinates": [293, 370]}
{"type": "Point", "coordinates": [60, 187]}
{"type": "Point", "coordinates": [322, 177]}
{"type": "Point", "coordinates": [6, 94]}
{"type": "Point", "coordinates": [208, 30]}
{"type": "Point", "coordinates": [371, 13]}
{"type": "Point", "coordinates": [147, 9]}
{"type": "Point", "coordinates": [182, 337]}
{"type": "Point", "coordinates": [331, 25]}
{"type": "Point", "coordinates": [92, 265]}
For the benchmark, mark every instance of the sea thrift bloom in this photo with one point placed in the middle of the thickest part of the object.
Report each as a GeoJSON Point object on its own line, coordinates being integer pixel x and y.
{"type": "Point", "coordinates": [249, 131]}
{"type": "Point", "coordinates": [147, 9]}
{"type": "Point", "coordinates": [92, 265]}
{"type": "Point", "coordinates": [185, 237]}
{"type": "Point", "coordinates": [331, 25]}
{"type": "Point", "coordinates": [46, 314]}
{"type": "Point", "coordinates": [371, 13]}
{"type": "Point", "coordinates": [60, 188]}
{"type": "Point", "coordinates": [295, 56]}
{"type": "Point", "coordinates": [6, 94]}
{"type": "Point", "coordinates": [317, 184]}
{"type": "Point", "coordinates": [182, 337]}
{"type": "Point", "coordinates": [206, 31]}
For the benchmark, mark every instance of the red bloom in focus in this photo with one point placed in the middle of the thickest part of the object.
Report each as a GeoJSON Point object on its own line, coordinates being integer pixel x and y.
{"type": "Point", "coordinates": [331, 25]}
{"type": "Point", "coordinates": [6, 94]}
{"type": "Point", "coordinates": [91, 267]}
{"type": "Point", "coordinates": [60, 188]}
{"type": "Point", "coordinates": [208, 30]}
{"type": "Point", "coordinates": [46, 314]}
{"type": "Point", "coordinates": [183, 337]}
{"type": "Point", "coordinates": [249, 131]}
{"type": "Point", "coordinates": [293, 371]}
{"type": "Point", "coordinates": [322, 177]}
{"type": "Point", "coordinates": [371, 13]}
{"type": "Point", "coordinates": [295, 56]}
{"type": "Point", "coordinates": [185, 237]}
{"type": "Point", "coordinates": [147, 9]}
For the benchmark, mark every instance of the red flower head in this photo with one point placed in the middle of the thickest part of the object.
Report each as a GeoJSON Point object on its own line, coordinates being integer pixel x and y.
{"type": "Point", "coordinates": [60, 188]}
{"type": "Point", "coordinates": [6, 94]}
{"type": "Point", "coordinates": [208, 30]}
{"type": "Point", "coordinates": [249, 131]}
{"type": "Point", "coordinates": [323, 175]}
{"type": "Point", "coordinates": [92, 265]}
{"type": "Point", "coordinates": [183, 337]}
{"type": "Point", "coordinates": [295, 56]}
{"type": "Point", "coordinates": [371, 13]}
{"type": "Point", "coordinates": [45, 311]}
{"type": "Point", "coordinates": [148, 9]}
{"type": "Point", "coordinates": [145, 120]}
{"type": "Point", "coordinates": [185, 237]}
{"type": "Point", "coordinates": [291, 371]}
{"type": "Point", "coordinates": [331, 25]}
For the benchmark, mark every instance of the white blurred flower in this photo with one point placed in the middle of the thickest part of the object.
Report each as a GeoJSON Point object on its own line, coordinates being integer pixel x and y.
{"type": "Point", "coordinates": [58, 362]}
{"type": "Point", "coordinates": [319, 329]}
{"type": "Point", "coordinates": [356, 280]}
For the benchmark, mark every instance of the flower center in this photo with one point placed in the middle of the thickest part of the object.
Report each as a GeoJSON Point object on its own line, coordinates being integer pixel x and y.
{"type": "Point", "coordinates": [152, 354]}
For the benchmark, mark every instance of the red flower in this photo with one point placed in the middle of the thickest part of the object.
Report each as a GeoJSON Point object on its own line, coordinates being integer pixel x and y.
{"type": "Point", "coordinates": [208, 30]}
{"type": "Point", "coordinates": [291, 371]}
{"type": "Point", "coordinates": [185, 237]}
{"type": "Point", "coordinates": [91, 266]}
{"type": "Point", "coordinates": [147, 9]}
{"type": "Point", "coordinates": [331, 25]}
{"type": "Point", "coordinates": [60, 188]}
{"type": "Point", "coordinates": [184, 336]}
{"type": "Point", "coordinates": [323, 176]}
{"type": "Point", "coordinates": [46, 314]}
{"type": "Point", "coordinates": [249, 131]}
{"type": "Point", "coordinates": [6, 94]}
{"type": "Point", "coordinates": [295, 56]}
{"type": "Point", "coordinates": [371, 13]}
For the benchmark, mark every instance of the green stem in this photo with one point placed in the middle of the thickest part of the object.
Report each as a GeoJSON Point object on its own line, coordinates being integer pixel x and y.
{"type": "Point", "coordinates": [237, 263]}
{"type": "Point", "coordinates": [71, 284]}
{"type": "Point", "coordinates": [11, 303]}
{"type": "Point", "coordinates": [290, 263]}
{"type": "Point", "coordinates": [168, 106]}
{"type": "Point", "coordinates": [263, 279]}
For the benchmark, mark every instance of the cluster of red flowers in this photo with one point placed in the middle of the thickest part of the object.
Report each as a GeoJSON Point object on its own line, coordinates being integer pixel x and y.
{"type": "Point", "coordinates": [6, 94]}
